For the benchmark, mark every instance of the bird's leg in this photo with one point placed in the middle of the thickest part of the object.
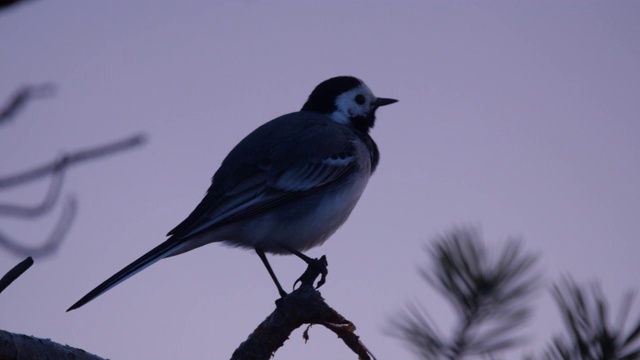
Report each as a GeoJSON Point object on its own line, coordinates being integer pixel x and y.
{"type": "Point", "coordinates": [315, 267]}
{"type": "Point", "coordinates": [263, 257]}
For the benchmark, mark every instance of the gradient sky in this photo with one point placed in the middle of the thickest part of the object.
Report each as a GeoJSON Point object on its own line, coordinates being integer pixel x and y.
{"type": "Point", "coordinates": [520, 117]}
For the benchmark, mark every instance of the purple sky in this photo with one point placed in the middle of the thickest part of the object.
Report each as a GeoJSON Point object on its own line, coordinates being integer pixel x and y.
{"type": "Point", "coordinates": [520, 117]}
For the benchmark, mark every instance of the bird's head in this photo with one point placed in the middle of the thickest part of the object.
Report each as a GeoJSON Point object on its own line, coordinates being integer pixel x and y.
{"type": "Point", "coordinates": [346, 100]}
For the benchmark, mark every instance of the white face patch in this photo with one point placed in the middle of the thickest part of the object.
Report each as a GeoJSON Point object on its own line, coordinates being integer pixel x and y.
{"type": "Point", "coordinates": [353, 103]}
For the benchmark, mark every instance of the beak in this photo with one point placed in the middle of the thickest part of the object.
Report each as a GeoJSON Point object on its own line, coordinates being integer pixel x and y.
{"type": "Point", "coordinates": [383, 101]}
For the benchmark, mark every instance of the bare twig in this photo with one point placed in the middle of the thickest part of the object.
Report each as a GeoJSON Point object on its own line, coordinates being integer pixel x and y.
{"type": "Point", "coordinates": [303, 306]}
{"type": "Point", "coordinates": [54, 240]}
{"type": "Point", "coordinates": [14, 273]}
{"type": "Point", "coordinates": [40, 209]}
{"type": "Point", "coordinates": [72, 159]}
{"type": "Point", "coordinates": [22, 97]}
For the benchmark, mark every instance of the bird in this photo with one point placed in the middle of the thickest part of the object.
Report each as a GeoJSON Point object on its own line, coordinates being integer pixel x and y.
{"type": "Point", "coordinates": [286, 187]}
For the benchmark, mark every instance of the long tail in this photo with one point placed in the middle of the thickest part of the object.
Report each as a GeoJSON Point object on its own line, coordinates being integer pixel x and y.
{"type": "Point", "coordinates": [163, 250]}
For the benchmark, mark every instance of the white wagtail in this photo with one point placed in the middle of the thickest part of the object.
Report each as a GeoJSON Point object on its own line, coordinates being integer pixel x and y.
{"type": "Point", "coordinates": [287, 186]}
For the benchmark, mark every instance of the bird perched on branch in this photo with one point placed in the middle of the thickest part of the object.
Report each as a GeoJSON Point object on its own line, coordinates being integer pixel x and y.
{"type": "Point", "coordinates": [287, 186]}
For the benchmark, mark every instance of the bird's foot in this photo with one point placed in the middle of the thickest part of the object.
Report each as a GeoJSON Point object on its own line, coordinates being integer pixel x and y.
{"type": "Point", "coordinates": [315, 268]}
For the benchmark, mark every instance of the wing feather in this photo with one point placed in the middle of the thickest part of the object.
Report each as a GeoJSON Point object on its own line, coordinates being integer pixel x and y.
{"type": "Point", "coordinates": [276, 168]}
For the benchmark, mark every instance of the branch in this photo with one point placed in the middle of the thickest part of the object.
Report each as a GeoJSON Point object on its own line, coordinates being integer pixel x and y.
{"type": "Point", "coordinates": [54, 240]}
{"type": "Point", "coordinates": [303, 306]}
{"type": "Point", "coordinates": [589, 331]}
{"type": "Point", "coordinates": [72, 159]}
{"type": "Point", "coordinates": [40, 209]}
{"type": "Point", "coordinates": [18, 346]}
{"type": "Point", "coordinates": [14, 273]}
{"type": "Point", "coordinates": [23, 96]}
{"type": "Point", "coordinates": [490, 295]}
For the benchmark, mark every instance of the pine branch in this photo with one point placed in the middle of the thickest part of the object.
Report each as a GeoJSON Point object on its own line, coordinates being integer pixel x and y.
{"type": "Point", "coordinates": [589, 333]}
{"type": "Point", "coordinates": [489, 296]}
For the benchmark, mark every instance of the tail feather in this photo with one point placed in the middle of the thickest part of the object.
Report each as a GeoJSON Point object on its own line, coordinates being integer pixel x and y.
{"type": "Point", "coordinates": [161, 251]}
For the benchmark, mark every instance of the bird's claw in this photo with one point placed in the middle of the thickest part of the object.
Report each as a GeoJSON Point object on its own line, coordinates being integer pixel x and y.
{"type": "Point", "coordinates": [315, 267]}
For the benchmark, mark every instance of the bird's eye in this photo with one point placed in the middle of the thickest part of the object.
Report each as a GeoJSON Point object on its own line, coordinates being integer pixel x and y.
{"type": "Point", "coordinates": [359, 99]}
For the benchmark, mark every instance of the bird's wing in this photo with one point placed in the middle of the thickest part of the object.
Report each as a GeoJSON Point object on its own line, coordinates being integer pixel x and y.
{"type": "Point", "coordinates": [290, 166]}
{"type": "Point", "coordinates": [291, 185]}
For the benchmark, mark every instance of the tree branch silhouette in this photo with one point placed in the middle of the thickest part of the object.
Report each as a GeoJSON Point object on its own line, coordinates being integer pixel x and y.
{"type": "Point", "coordinates": [54, 239]}
{"type": "Point", "coordinates": [73, 158]}
{"type": "Point", "coordinates": [15, 272]}
{"type": "Point", "coordinates": [55, 168]}
{"type": "Point", "coordinates": [303, 306]}
{"type": "Point", "coordinates": [25, 211]}
{"type": "Point", "coordinates": [590, 334]}
{"type": "Point", "coordinates": [22, 347]}
{"type": "Point", "coordinates": [21, 97]}
{"type": "Point", "coordinates": [489, 296]}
